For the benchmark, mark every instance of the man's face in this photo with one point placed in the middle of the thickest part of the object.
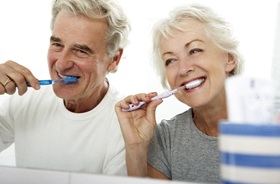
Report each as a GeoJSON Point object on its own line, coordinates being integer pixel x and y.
{"type": "Point", "coordinates": [78, 48]}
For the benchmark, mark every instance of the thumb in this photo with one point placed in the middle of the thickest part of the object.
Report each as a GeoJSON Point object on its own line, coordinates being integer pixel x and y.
{"type": "Point", "coordinates": [151, 109]}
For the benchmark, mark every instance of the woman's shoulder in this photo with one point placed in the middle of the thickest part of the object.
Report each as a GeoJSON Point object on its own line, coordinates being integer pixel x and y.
{"type": "Point", "coordinates": [178, 120]}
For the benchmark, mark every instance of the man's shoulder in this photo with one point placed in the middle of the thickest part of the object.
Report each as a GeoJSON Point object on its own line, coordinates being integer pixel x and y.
{"type": "Point", "coordinates": [115, 94]}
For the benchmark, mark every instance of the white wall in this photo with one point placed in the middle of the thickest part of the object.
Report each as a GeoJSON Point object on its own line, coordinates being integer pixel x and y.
{"type": "Point", "coordinates": [24, 37]}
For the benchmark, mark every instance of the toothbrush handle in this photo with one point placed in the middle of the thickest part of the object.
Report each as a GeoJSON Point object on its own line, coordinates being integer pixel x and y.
{"type": "Point", "coordinates": [45, 82]}
{"type": "Point", "coordinates": [42, 82]}
{"type": "Point", "coordinates": [133, 107]}
{"type": "Point", "coordinates": [166, 94]}
{"type": "Point", "coordinates": [163, 95]}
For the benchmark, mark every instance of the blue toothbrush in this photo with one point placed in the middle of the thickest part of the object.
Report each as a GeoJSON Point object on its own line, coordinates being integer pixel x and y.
{"type": "Point", "coordinates": [65, 80]}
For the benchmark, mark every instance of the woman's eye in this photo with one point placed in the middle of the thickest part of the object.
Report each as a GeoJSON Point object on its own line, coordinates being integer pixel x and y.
{"type": "Point", "coordinates": [169, 61]}
{"type": "Point", "coordinates": [193, 51]}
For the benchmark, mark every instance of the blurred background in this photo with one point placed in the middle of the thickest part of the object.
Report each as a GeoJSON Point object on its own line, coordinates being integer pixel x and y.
{"type": "Point", "coordinates": [25, 32]}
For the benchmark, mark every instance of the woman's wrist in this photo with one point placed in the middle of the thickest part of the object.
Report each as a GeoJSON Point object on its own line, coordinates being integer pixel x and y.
{"type": "Point", "coordinates": [136, 161]}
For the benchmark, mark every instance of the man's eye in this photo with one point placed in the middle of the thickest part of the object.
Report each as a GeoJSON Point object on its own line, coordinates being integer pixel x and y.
{"type": "Point", "coordinates": [80, 53]}
{"type": "Point", "coordinates": [56, 46]}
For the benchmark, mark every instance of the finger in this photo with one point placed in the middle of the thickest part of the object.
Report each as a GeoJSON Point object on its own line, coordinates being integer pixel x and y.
{"type": "Point", "coordinates": [7, 85]}
{"type": "Point", "coordinates": [121, 105]}
{"type": "Point", "coordinates": [125, 121]}
{"type": "Point", "coordinates": [134, 99]}
{"type": "Point", "coordinates": [19, 82]}
{"type": "Point", "coordinates": [151, 110]}
{"type": "Point", "coordinates": [10, 88]}
{"type": "Point", "coordinates": [19, 75]}
{"type": "Point", "coordinates": [2, 89]}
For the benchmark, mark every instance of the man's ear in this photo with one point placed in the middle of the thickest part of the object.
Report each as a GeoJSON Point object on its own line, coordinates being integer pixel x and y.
{"type": "Point", "coordinates": [113, 66]}
{"type": "Point", "coordinates": [231, 63]}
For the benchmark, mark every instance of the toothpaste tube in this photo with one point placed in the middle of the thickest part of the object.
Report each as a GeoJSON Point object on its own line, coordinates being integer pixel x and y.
{"type": "Point", "coordinates": [250, 100]}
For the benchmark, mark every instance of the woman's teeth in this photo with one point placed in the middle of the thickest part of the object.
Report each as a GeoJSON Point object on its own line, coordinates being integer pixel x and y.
{"type": "Point", "coordinates": [194, 83]}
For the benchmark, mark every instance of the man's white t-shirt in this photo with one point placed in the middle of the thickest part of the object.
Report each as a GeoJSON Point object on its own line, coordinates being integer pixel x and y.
{"type": "Point", "coordinates": [48, 136]}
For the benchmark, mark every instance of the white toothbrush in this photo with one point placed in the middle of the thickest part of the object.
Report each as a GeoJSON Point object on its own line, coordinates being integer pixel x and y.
{"type": "Point", "coordinates": [166, 94]}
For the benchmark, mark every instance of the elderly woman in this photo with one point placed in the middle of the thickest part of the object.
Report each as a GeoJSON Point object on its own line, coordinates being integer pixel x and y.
{"type": "Point", "coordinates": [196, 47]}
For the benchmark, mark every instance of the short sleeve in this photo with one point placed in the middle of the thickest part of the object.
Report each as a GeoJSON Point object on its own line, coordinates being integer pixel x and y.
{"type": "Point", "coordinates": [159, 150]}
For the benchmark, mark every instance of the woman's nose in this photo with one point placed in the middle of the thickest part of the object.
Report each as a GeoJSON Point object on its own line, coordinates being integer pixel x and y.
{"type": "Point", "coordinates": [185, 67]}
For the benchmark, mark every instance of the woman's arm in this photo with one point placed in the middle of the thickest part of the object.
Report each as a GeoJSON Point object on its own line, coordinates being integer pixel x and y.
{"type": "Point", "coordinates": [154, 173]}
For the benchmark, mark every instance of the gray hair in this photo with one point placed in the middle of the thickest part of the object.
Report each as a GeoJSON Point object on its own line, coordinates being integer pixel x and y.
{"type": "Point", "coordinates": [118, 24]}
{"type": "Point", "coordinates": [217, 29]}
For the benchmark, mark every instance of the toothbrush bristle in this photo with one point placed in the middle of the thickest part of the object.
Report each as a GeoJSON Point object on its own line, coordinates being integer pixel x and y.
{"type": "Point", "coordinates": [70, 79]}
{"type": "Point", "coordinates": [193, 84]}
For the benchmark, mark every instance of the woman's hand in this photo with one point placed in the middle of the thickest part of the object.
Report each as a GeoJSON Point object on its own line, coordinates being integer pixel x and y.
{"type": "Point", "coordinates": [137, 128]}
{"type": "Point", "coordinates": [14, 76]}
{"type": "Point", "coordinates": [138, 125]}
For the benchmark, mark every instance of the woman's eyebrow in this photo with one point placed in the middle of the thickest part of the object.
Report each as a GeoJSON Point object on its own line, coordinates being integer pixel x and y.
{"type": "Point", "coordinates": [186, 45]}
{"type": "Point", "coordinates": [193, 41]}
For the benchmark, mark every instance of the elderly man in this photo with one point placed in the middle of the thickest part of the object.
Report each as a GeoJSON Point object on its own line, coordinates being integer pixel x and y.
{"type": "Point", "coordinates": [69, 126]}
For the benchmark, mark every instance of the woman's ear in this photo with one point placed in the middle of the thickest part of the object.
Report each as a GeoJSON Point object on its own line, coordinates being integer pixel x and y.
{"type": "Point", "coordinates": [231, 63]}
{"type": "Point", "coordinates": [113, 66]}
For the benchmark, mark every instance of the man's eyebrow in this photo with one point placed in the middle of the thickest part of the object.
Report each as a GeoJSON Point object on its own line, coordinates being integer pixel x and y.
{"type": "Point", "coordinates": [77, 46]}
{"type": "Point", "coordinates": [55, 39]}
{"type": "Point", "coordinates": [84, 48]}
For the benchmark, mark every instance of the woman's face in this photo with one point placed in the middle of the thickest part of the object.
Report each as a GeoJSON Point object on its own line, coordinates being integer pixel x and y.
{"type": "Point", "coordinates": [191, 58]}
